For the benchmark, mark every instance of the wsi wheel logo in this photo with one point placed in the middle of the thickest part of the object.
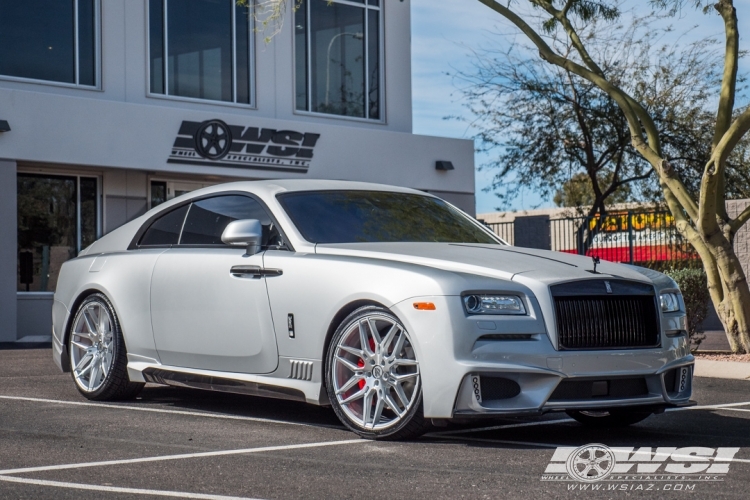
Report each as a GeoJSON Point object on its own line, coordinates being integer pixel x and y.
{"type": "Point", "coordinates": [591, 462]}
{"type": "Point", "coordinates": [213, 139]}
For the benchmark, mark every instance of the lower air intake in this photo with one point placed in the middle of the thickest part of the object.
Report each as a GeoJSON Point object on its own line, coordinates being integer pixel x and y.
{"type": "Point", "coordinates": [494, 388]}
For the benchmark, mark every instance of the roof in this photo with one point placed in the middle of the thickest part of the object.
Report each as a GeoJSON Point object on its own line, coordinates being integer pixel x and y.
{"type": "Point", "coordinates": [275, 186]}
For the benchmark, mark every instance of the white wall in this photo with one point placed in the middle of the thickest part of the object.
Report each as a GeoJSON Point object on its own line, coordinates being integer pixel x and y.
{"type": "Point", "coordinates": [125, 57]}
{"type": "Point", "coordinates": [56, 129]}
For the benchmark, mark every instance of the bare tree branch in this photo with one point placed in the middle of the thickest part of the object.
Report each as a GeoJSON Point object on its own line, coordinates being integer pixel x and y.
{"type": "Point", "coordinates": [728, 90]}
{"type": "Point", "coordinates": [729, 79]}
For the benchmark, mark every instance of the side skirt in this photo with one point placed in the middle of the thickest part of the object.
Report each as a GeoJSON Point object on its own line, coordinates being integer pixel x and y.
{"type": "Point", "coordinates": [221, 384]}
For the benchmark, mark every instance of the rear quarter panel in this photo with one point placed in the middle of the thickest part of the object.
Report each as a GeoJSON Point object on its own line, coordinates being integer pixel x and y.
{"type": "Point", "coordinates": [125, 278]}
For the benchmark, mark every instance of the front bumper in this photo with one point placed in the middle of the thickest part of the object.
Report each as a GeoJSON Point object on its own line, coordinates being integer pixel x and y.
{"type": "Point", "coordinates": [540, 393]}
{"type": "Point", "coordinates": [456, 351]}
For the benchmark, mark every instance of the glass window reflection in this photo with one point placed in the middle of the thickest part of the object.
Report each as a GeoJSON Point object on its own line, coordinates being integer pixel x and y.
{"type": "Point", "coordinates": [199, 41]}
{"type": "Point", "coordinates": [208, 46]}
{"type": "Point", "coordinates": [38, 40]}
{"type": "Point", "coordinates": [57, 217]}
{"type": "Point", "coordinates": [337, 58]}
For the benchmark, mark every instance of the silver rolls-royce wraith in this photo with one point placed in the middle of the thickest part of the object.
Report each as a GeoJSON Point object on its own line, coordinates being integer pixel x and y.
{"type": "Point", "coordinates": [389, 304]}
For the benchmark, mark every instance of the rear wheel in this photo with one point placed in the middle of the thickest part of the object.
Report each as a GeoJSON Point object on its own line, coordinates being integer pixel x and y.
{"type": "Point", "coordinates": [373, 377]}
{"type": "Point", "coordinates": [97, 352]}
{"type": "Point", "coordinates": [608, 418]}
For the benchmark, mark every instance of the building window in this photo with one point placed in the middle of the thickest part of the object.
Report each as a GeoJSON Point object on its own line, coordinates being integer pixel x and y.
{"type": "Point", "coordinates": [158, 193]}
{"type": "Point", "coordinates": [208, 46]}
{"type": "Point", "coordinates": [338, 57]}
{"type": "Point", "coordinates": [51, 40]}
{"type": "Point", "coordinates": [57, 218]}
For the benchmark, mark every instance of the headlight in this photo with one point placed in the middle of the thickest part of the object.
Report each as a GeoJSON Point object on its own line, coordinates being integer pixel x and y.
{"type": "Point", "coordinates": [670, 302]}
{"type": "Point", "coordinates": [494, 304]}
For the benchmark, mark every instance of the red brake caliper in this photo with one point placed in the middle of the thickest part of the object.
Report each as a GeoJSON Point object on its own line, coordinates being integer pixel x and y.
{"type": "Point", "coordinates": [361, 364]}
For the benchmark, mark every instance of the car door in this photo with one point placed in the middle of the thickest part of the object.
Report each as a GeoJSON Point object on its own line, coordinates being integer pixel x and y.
{"type": "Point", "coordinates": [209, 310]}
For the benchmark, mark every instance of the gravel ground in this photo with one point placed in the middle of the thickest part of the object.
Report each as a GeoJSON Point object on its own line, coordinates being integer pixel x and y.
{"type": "Point", "coordinates": [724, 357]}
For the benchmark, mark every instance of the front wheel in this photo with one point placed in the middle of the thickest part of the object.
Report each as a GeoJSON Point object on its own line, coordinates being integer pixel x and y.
{"type": "Point", "coordinates": [608, 418]}
{"type": "Point", "coordinates": [373, 377]}
{"type": "Point", "coordinates": [97, 352]}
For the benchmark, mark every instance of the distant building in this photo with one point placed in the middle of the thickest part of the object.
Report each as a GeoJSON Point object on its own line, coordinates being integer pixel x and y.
{"type": "Point", "coordinates": [109, 108]}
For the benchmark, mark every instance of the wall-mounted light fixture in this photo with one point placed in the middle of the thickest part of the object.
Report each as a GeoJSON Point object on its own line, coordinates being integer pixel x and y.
{"type": "Point", "coordinates": [444, 165]}
{"type": "Point", "coordinates": [4, 126]}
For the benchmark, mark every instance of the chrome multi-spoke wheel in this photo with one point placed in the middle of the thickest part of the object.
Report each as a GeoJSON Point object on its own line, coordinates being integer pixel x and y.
{"type": "Point", "coordinates": [98, 360]}
{"type": "Point", "coordinates": [91, 346]}
{"type": "Point", "coordinates": [373, 374]}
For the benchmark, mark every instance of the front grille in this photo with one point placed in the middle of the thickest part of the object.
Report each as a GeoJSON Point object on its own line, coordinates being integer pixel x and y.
{"type": "Point", "coordinates": [602, 322]}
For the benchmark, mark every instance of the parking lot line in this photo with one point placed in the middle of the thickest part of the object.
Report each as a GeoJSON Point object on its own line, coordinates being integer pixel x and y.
{"type": "Point", "coordinates": [181, 456]}
{"type": "Point", "coordinates": [117, 489]}
{"type": "Point", "coordinates": [714, 407]}
{"type": "Point", "coordinates": [553, 445]}
{"type": "Point", "coordinates": [162, 410]}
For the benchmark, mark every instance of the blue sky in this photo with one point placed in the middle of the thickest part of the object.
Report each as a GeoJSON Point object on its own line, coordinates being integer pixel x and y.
{"type": "Point", "coordinates": [443, 34]}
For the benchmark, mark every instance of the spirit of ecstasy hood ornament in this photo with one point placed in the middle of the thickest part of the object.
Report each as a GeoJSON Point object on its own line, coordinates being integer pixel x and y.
{"type": "Point", "coordinates": [596, 261]}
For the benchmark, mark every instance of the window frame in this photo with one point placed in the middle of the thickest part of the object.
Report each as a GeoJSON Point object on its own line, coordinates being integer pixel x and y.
{"type": "Point", "coordinates": [308, 64]}
{"type": "Point", "coordinates": [165, 61]}
{"type": "Point", "coordinates": [76, 56]}
{"type": "Point", "coordinates": [135, 242]}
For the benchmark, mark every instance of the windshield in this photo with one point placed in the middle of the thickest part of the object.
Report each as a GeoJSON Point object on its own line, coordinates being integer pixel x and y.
{"type": "Point", "coordinates": [379, 216]}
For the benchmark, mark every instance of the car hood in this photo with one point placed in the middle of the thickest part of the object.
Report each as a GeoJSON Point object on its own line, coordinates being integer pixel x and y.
{"type": "Point", "coordinates": [496, 261]}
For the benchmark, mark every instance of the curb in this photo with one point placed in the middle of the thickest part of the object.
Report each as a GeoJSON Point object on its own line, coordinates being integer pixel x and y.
{"type": "Point", "coordinates": [736, 370]}
{"type": "Point", "coordinates": [24, 345]}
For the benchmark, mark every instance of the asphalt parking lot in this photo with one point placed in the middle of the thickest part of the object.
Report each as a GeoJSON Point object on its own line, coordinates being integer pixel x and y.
{"type": "Point", "coordinates": [185, 443]}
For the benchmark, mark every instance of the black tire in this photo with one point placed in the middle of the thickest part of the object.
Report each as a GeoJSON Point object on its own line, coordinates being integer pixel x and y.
{"type": "Point", "coordinates": [412, 424]}
{"type": "Point", "coordinates": [116, 385]}
{"type": "Point", "coordinates": [608, 418]}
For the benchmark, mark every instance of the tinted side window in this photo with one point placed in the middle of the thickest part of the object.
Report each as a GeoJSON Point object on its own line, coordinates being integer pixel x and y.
{"type": "Point", "coordinates": [166, 229]}
{"type": "Point", "coordinates": [207, 219]}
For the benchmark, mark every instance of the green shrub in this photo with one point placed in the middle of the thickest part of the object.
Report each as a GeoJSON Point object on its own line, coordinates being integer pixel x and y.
{"type": "Point", "coordinates": [694, 287]}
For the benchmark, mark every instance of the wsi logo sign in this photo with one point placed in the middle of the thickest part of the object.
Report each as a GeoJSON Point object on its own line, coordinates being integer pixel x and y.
{"type": "Point", "coordinates": [215, 143]}
{"type": "Point", "coordinates": [598, 462]}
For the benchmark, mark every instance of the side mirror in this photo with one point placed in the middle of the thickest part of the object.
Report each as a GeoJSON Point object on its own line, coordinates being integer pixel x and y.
{"type": "Point", "coordinates": [246, 232]}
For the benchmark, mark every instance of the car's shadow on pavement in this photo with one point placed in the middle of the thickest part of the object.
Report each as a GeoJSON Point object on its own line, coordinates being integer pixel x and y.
{"type": "Point", "coordinates": [709, 428]}
{"type": "Point", "coordinates": [706, 428]}
{"type": "Point", "coordinates": [237, 405]}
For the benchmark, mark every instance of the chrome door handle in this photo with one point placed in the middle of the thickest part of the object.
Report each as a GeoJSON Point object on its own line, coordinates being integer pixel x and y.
{"type": "Point", "coordinates": [243, 271]}
{"type": "Point", "coordinates": [253, 271]}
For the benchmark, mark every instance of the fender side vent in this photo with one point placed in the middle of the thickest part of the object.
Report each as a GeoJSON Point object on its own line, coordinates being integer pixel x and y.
{"type": "Point", "coordinates": [301, 370]}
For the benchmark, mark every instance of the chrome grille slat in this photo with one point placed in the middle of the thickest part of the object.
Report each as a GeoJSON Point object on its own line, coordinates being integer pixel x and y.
{"type": "Point", "coordinates": [607, 322]}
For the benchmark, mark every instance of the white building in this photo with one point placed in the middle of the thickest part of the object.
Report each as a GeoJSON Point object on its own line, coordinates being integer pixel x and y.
{"type": "Point", "coordinates": [109, 107]}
